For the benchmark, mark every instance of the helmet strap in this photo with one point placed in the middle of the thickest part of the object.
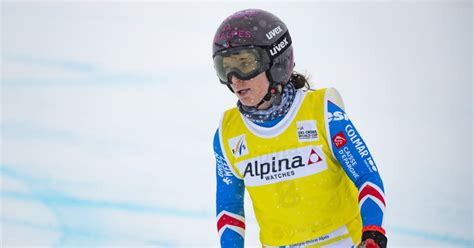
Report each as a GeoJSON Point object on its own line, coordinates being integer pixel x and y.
{"type": "Point", "coordinates": [273, 94]}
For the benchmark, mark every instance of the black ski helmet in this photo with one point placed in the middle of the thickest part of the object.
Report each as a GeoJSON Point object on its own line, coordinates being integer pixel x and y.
{"type": "Point", "coordinates": [258, 28]}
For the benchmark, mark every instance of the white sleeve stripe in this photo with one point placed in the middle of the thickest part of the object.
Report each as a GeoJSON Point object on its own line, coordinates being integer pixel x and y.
{"type": "Point", "coordinates": [239, 217]}
{"type": "Point", "coordinates": [373, 198]}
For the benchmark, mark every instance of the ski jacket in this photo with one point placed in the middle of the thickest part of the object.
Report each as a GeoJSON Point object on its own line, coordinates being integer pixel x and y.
{"type": "Point", "coordinates": [307, 173]}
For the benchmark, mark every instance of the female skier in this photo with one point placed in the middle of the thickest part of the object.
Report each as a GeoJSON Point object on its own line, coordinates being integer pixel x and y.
{"type": "Point", "coordinates": [311, 177]}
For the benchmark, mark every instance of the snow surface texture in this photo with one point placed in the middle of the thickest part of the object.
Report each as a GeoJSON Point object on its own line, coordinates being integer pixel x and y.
{"type": "Point", "coordinates": [109, 110]}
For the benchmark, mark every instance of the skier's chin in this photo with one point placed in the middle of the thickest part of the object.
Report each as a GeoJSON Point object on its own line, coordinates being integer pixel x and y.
{"type": "Point", "coordinates": [248, 101]}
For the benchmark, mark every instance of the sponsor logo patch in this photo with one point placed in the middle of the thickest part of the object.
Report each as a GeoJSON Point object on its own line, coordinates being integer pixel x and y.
{"type": "Point", "coordinates": [357, 141]}
{"type": "Point", "coordinates": [274, 32]}
{"type": "Point", "coordinates": [307, 131]}
{"type": "Point", "coordinates": [369, 162]}
{"type": "Point", "coordinates": [278, 47]}
{"type": "Point", "coordinates": [349, 161]}
{"type": "Point", "coordinates": [282, 166]}
{"type": "Point", "coordinates": [238, 146]}
{"type": "Point", "coordinates": [337, 116]}
{"type": "Point", "coordinates": [223, 169]}
{"type": "Point", "coordinates": [339, 140]}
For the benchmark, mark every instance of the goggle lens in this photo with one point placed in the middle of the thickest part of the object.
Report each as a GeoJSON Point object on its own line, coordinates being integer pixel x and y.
{"type": "Point", "coordinates": [243, 63]}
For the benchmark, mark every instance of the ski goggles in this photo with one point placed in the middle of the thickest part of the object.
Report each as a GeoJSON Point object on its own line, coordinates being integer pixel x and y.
{"type": "Point", "coordinates": [241, 62]}
{"type": "Point", "coordinates": [248, 61]}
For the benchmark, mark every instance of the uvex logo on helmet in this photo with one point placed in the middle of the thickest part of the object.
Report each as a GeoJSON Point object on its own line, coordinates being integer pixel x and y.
{"type": "Point", "coordinates": [274, 32]}
{"type": "Point", "coordinates": [278, 47]}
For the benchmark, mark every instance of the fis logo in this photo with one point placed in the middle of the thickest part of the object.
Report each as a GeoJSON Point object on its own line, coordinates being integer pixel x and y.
{"type": "Point", "coordinates": [282, 166]}
{"type": "Point", "coordinates": [238, 146]}
{"type": "Point", "coordinates": [339, 140]}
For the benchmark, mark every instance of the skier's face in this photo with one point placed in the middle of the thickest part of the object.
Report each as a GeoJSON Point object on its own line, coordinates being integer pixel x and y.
{"type": "Point", "coordinates": [250, 92]}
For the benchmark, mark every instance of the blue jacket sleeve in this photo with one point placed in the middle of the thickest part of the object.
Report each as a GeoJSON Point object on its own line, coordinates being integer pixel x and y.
{"type": "Point", "coordinates": [354, 156]}
{"type": "Point", "coordinates": [229, 201]}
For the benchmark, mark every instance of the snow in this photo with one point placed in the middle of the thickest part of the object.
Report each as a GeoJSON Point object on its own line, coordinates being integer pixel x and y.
{"type": "Point", "coordinates": [109, 111]}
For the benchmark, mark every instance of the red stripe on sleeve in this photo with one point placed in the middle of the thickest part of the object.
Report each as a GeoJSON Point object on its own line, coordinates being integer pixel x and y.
{"type": "Point", "coordinates": [229, 220]}
{"type": "Point", "coordinates": [369, 190]}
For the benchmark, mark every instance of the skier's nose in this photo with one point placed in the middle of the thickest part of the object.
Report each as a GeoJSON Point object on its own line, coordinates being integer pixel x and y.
{"type": "Point", "coordinates": [236, 80]}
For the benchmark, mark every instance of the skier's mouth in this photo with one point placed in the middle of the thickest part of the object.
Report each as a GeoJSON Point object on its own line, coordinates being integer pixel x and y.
{"type": "Point", "coordinates": [243, 92]}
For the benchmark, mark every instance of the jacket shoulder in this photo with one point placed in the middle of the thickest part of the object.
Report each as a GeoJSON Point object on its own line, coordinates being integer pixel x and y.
{"type": "Point", "coordinates": [332, 95]}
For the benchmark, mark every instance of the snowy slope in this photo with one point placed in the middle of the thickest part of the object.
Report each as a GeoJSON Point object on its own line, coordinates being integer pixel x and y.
{"type": "Point", "coordinates": [109, 110]}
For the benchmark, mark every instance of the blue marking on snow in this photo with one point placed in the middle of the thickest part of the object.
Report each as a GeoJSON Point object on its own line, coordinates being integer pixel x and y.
{"type": "Point", "coordinates": [50, 227]}
{"type": "Point", "coordinates": [21, 130]}
{"type": "Point", "coordinates": [56, 198]}
{"type": "Point", "coordinates": [59, 202]}
{"type": "Point", "coordinates": [73, 215]}
{"type": "Point", "coordinates": [69, 65]}
{"type": "Point", "coordinates": [82, 74]}
{"type": "Point", "coordinates": [59, 199]}
{"type": "Point", "coordinates": [445, 238]}
{"type": "Point", "coordinates": [30, 130]}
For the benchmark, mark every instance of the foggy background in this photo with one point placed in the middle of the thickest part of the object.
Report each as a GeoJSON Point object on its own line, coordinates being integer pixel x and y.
{"type": "Point", "coordinates": [109, 110]}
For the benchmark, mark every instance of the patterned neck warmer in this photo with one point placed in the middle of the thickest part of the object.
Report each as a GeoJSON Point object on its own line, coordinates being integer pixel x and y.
{"type": "Point", "coordinates": [275, 111]}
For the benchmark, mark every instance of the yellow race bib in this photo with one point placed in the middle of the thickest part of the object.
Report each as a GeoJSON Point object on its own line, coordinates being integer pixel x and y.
{"type": "Point", "coordinates": [298, 189]}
